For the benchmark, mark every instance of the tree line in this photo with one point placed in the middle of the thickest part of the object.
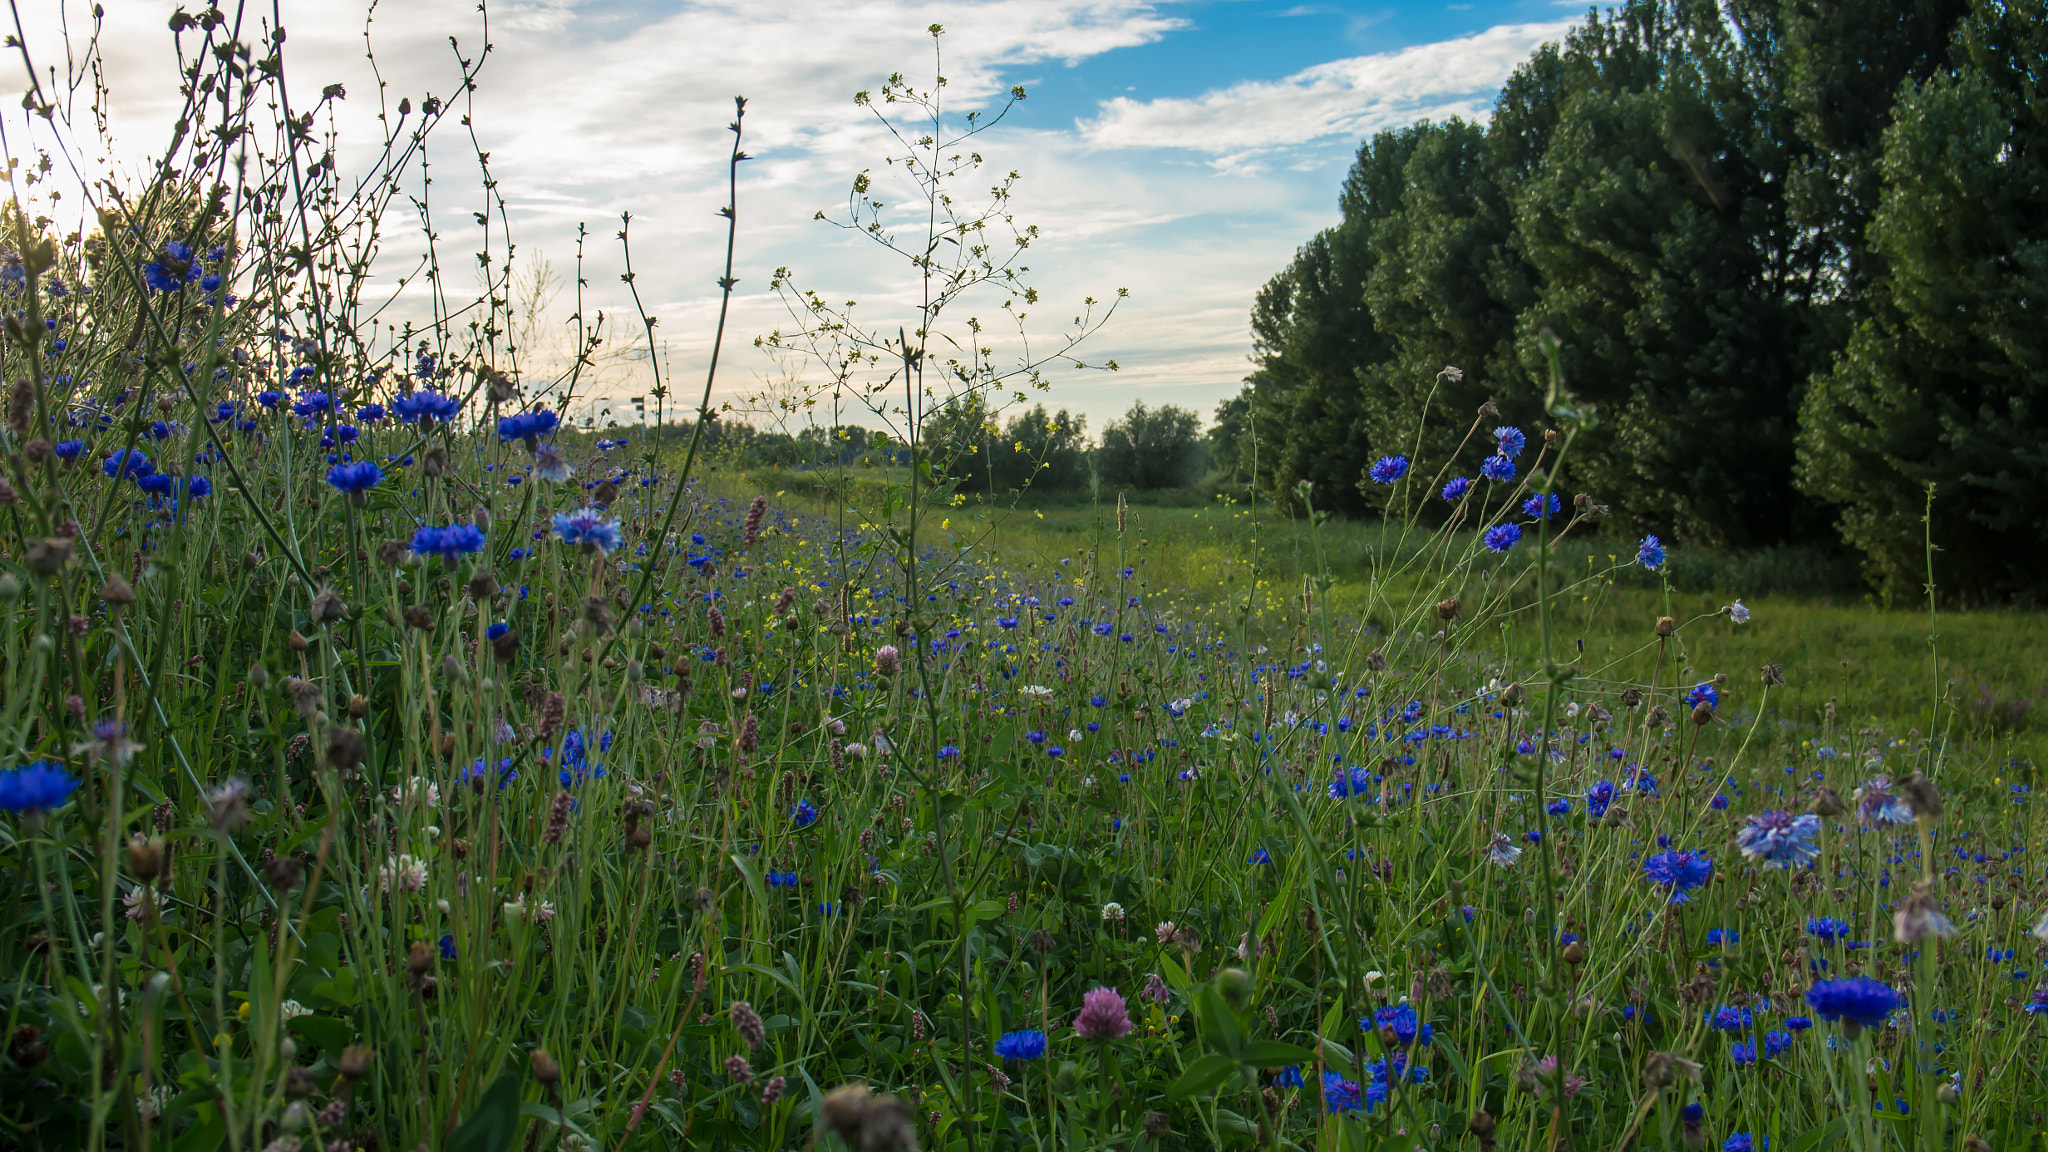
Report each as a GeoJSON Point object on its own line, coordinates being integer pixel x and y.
{"type": "Point", "coordinates": [1796, 253]}
{"type": "Point", "coordinates": [990, 454]}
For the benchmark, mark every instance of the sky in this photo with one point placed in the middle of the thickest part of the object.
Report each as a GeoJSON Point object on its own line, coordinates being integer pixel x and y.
{"type": "Point", "coordinates": [1179, 150]}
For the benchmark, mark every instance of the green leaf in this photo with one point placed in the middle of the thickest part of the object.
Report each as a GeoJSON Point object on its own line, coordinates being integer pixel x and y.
{"type": "Point", "coordinates": [495, 1123]}
{"type": "Point", "coordinates": [1219, 1025]}
{"type": "Point", "coordinates": [329, 1034]}
{"type": "Point", "coordinates": [1202, 1076]}
{"type": "Point", "coordinates": [1274, 1054]}
{"type": "Point", "coordinates": [1825, 1136]}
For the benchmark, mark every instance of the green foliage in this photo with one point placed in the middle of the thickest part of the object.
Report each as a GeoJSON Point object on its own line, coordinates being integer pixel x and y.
{"type": "Point", "coordinates": [1946, 382]}
{"type": "Point", "coordinates": [1706, 205]}
{"type": "Point", "coordinates": [1152, 448]}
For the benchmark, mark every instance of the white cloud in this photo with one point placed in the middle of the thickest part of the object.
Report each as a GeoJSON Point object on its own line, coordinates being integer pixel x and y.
{"type": "Point", "coordinates": [589, 109]}
{"type": "Point", "coordinates": [1343, 99]}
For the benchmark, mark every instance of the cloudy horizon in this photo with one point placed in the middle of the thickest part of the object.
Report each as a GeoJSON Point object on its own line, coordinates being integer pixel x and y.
{"type": "Point", "coordinates": [1179, 150]}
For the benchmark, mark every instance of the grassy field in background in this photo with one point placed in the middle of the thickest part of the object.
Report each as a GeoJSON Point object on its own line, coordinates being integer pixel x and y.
{"type": "Point", "coordinates": [1836, 643]}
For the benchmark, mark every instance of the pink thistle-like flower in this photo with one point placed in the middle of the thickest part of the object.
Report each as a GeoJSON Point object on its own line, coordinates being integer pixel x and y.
{"type": "Point", "coordinates": [1104, 1016]}
{"type": "Point", "coordinates": [886, 658]}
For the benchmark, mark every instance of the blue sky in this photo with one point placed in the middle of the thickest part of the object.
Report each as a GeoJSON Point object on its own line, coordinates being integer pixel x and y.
{"type": "Point", "coordinates": [1181, 150]}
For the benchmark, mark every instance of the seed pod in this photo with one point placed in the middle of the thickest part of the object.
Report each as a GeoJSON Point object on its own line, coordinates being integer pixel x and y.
{"type": "Point", "coordinates": [345, 748]}
{"type": "Point", "coordinates": [1449, 609]}
{"type": "Point", "coordinates": [1665, 626]}
{"type": "Point", "coordinates": [545, 1069]}
{"type": "Point", "coordinates": [145, 857]}
{"type": "Point", "coordinates": [355, 1062]}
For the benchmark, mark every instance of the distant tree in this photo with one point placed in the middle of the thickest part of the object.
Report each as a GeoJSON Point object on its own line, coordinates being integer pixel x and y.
{"type": "Point", "coordinates": [1035, 450]}
{"type": "Point", "coordinates": [1152, 448]}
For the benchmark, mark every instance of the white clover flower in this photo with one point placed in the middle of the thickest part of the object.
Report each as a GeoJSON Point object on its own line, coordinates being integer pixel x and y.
{"type": "Point", "coordinates": [1113, 913]}
{"type": "Point", "coordinates": [404, 873]}
{"type": "Point", "coordinates": [417, 788]}
{"type": "Point", "coordinates": [545, 912]}
{"type": "Point", "coordinates": [150, 1104]}
{"type": "Point", "coordinates": [1035, 692]}
{"type": "Point", "coordinates": [292, 1010]}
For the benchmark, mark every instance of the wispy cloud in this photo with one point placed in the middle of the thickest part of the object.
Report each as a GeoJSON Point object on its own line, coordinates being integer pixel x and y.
{"type": "Point", "coordinates": [1241, 126]}
{"type": "Point", "coordinates": [594, 107]}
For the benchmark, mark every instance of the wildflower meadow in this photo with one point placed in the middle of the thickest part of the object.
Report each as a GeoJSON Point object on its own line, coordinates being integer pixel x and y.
{"type": "Point", "coordinates": [391, 759]}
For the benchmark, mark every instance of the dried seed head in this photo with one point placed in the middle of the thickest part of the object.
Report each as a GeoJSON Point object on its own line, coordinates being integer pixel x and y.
{"type": "Point", "coordinates": [1665, 626]}
{"type": "Point", "coordinates": [145, 857]}
{"type": "Point", "coordinates": [1827, 802]}
{"type": "Point", "coordinates": [282, 873]}
{"type": "Point", "coordinates": [355, 1062]}
{"type": "Point", "coordinates": [420, 617]}
{"type": "Point", "coordinates": [1920, 793]}
{"type": "Point", "coordinates": [545, 1069]}
{"type": "Point", "coordinates": [1773, 675]}
{"type": "Point", "coordinates": [117, 591]}
{"type": "Point", "coordinates": [345, 747]}
{"type": "Point", "coordinates": [1663, 1069]}
{"type": "Point", "coordinates": [1449, 609]}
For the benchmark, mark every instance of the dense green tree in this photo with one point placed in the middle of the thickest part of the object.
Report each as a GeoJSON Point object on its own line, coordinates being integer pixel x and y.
{"type": "Point", "coordinates": [1231, 434]}
{"type": "Point", "coordinates": [1656, 234]}
{"type": "Point", "coordinates": [1152, 448]}
{"type": "Point", "coordinates": [1945, 383]}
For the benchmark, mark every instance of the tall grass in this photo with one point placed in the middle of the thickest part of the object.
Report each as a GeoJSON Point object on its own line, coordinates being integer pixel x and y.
{"type": "Point", "coordinates": [528, 792]}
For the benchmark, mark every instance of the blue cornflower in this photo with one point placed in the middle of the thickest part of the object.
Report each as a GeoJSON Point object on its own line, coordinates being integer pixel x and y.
{"type": "Point", "coordinates": [1559, 807]}
{"type": "Point", "coordinates": [948, 751]}
{"type": "Point", "coordinates": [1388, 469]}
{"type": "Point", "coordinates": [1775, 1043]}
{"type": "Point", "coordinates": [1780, 839]}
{"type": "Point", "coordinates": [1703, 693]}
{"type": "Point", "coordinates": [311, 404]}
{"type": "Point", "coordinates": [198, 487]}
{"type": "Point", "coordinates": [1533, 507]}
{"type": "Point", "coordinates": [1598, 797]}
{"type": "Point", "coordinates": [1678, 872]}
{"type": "Point", "coordinates": [1408, 1030]}
{"type": "Point", "coordinates": [497, 630]}
{"type": "Point", "coordinates": [69, 449]}
{"type": "Point", "coordinates": [36, 788]}
{"type": "Point", "coordinates": [448, 543]}
{"type": "Point", "coordinates": [1006, 622]}
{"type": "Point", "coordinates": [172, 270]}
{"type": "Point", "coordinates": [1719, 803]}
{"type": "Point", "coordinates": [1458, 486]}
{"type": "Point", "coordinates": [528, 425]}
{"type": "Point", "coordinates": [1828, 928]}
{"type": "Point", "coordinates": [804, 814]}
{"type": "Point", "coordinates": [1498, 468]}
{"type": "Point", "coordinates": [1261, 856]}
{"type": "Point", "coordinates": [370, 413]}
{"type": "Point", "coordinates": [131, 464]}
{"type": "Point", "coordinates": [1740, 1142]}
{"type": "Point", "coordinates": [1288, 1077]}
{"type": "Point", "coordinates": [447, 946]}
{"type": "Point", "coordinates": [356, 478]}
{"type": "Point", "coordinates": [1720, 935]}
{"type": "Point", "coordinates": [588, 528]}
{"type": "Point", "coordinates": [1509, 441]}
{"type": "Point", "coordinates": [1744, 1055]}
{"type": "Point", "coordinates": [1055, 752]}
{"type": "Point", "coordinates": [1027, 1044]}
{"type": "Point", "coordinates": [1650, 553]}
{"type": "Point", "coordinates": [1857, 1000]}
{"type": "Point", "coordinates": [270, 398]}
{"type": "Point", "coordinates": [1502, 537]}
{"type": "Point", "coordinates": [1731, 1018]}
{"type": "Point", "coordinates": [1692, 1113]}
{"type": "Point", "coordinates": [156, 484]}
{"type": "Point", "coordinates": [410, 407]}
{"type": "Point", "coordinates": [1340, 1095]}
{"type": "Point", "coordinates": [480, 771]}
